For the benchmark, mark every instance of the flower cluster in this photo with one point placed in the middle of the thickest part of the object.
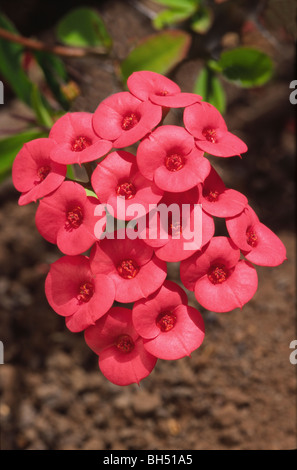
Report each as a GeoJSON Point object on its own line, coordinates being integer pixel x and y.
{"type": "Point", "coordinates": [162, 202]}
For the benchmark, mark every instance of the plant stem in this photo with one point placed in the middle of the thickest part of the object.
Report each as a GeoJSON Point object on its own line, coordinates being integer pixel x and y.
{"type": "Point", "coordinates": [82, 183]}
{"type": "Point", "coordinates": [55, 49]}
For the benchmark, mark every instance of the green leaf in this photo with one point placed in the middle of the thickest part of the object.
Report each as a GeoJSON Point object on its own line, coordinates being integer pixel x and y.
{"type": "Point", "coordinates": [209, 87]}
{"type": "Point", "coordinates": [246, 67]}
{"type": "Point", "coordinates": [169, 17]}
{"type": "Point", "coordinates": [10, 146]}
{"type": "Point", "coordinates": [202, 21]}
{"type": "Point", "coordinates": [70, 172]}
{"type": "Point", "coordinates": [159, 53]}
{"type": "Point", "coordinates": [55, 75]}
{"type": "Point", "coordinates": [10, 64]}
{"type": "Point", "coordinates": [214, 66]}
{"type": "Point", "coordinates": [91, 193]}
{"type": "Point", "coordinates": [42, 113]}
{"type": "Point", "coordinates": [83, 27]}
{"type": "Point", "coordinates": [178, 4]}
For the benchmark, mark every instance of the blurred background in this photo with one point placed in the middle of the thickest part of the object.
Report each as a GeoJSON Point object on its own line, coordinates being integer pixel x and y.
{"type": "Point", "coordinates": [238, 391]}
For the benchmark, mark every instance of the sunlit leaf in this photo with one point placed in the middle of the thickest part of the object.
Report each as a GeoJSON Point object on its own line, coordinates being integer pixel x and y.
{"type": "Point", "coordinates": [91, 193]}
{"type": "Point", "coordinates": [173, 16]}
{"type": "Point", "coordinates": [158, 53]}
{"type": "Point", "coordinates": [202, 21]}
{"type": "Point", "coordinates": [179, 4]}
{"type": "Point", "coordinates": [83, 27]}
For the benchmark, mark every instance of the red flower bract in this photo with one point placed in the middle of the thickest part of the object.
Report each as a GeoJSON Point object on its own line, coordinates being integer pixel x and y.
{"type": "Point", "coordinates": [76, 139]}
{"type": "Point", "coordinates": [219, 201]}
{"type": "Point", "coordinates": [66, 218]}
{"type": "Point", "coordinates": [122, 357]}
{"type": "Point", "coordinates": [257, 242]}
{"type": "Point", "coordinates": [170, 328]}
{"type": "Point", "coordinates": [124, 119]}
{"type": "Point", "coordinates": [221, 281]}
{"type": "Point", "coordinates": [177, 228]}
{"type": "Point", "coordinates": [76, 293]}
{"type": "Point", "coordinates": [146, 85]}
{"type": "Point", "coordinates": [208, 127]}
{"type": "Point", "coordinates": [130, 263]}
{"type": "Point", "coordinates": [118, 175]}
{"type": "Point", "coordinates": [34, 173]}
{"type": "Point", "coordinates": [169, 158]}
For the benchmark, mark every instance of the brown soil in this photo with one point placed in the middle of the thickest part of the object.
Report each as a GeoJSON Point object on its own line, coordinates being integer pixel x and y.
{"type": "Point", "coordinates": [238, 391]}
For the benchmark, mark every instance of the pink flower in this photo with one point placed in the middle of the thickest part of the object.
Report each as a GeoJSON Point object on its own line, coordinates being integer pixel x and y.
{"type": "Point", "coordinates": [170, 328]}
{"type": "Point", "coordinates": [66, 218]}
{"type": "Point", "coordinates": [208, 127]}
{"type": "Point", "coordinates": [176, 237]}
{"type": "Point", "coordinates": [122, 357]}
{"type": "Point", "coordinates": [124, 119]}
{"type": "Point", "coordinates": [77, 293]}
{"type": "Point", "coordinates": [34, 173]}
{"type": "Point", "coordinates": [169, 158]}
{"type": "Point", "coordinates": [131, 264]}
{"type": "Point", "coordinates": [220, 280]}
{"type": "Point", "coordinates": [159, 90]}
{"type": "Point", "coordinates": [118, 175]}
{"type": "Point", "coordinates": [257, 242]}
{"type": "Point", "coordinates": [219, 201]}
{"type": "Point", "coordinates": [77, 140]}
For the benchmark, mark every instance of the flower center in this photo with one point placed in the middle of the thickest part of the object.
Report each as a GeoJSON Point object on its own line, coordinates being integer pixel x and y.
{"type": "Point", "coordinates": [217, 274]}
{"type": "Point", "coordinates": [129, 121]}
{"type": "Point", "coordinates": [251, 237]}
{"type": "Point", "coordinates": [166, 321]}
{"type": "Point", "coordinates": [81, 143]}
{"type": "Point", "coordinates": [74, 218]}
{"type": "Point", "coordinates": [174, 226]}
{"type": "Point", "coordinates": [86, 291]}
{"type": "Point", "coordinates": [127, 190]}
{"type": "Point", "coordinates": [42, 172]}
{"type": "Point", "coordinates": [175, 162]}
{"type": "Point", "coordinates": [124, 343]}
{"type": "Point", "coordinates": [162, 93]}
{"type": "Point", "coordinates": [210, 135]}
{"type": "Point", "coordinates": [211, 195]}
{"type": "Point", "coordinates": [128, 269]}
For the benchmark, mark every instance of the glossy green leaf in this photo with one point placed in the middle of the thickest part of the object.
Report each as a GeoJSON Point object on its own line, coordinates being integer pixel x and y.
{"type": "Point", "coordinates": [202, 21]}
{"type": "Point", "coordinates": [10, 146]}
{"type": "Point", "coordinates": [246, 67]}
{"type": "Point", "coordinates": [10, 64]}
{"type": "Point", "coordinates": [83, 27]}
{"type": "Point", "coordinates": [158, 53]}
{"type": "Point", "coordinates": [210, 88]}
